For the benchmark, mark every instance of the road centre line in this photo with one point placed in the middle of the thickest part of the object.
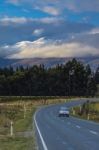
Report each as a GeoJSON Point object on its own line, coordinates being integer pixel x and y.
{"type": "Point", "coordinates": [78, 126]}
{"type": "Point", "coordinates": [93, 132]}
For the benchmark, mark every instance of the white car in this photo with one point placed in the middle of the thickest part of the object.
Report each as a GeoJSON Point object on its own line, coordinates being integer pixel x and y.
{"type": "Point", "coordinates": [64, 111]}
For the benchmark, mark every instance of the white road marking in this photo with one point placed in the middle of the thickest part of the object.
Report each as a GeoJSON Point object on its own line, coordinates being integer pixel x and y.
{"type": "Point", "coordinates": [93, 132]}
{"type": "Point", "coordinates": [42, 140]}
{"type": "Point", "coordinates": [78, 127]}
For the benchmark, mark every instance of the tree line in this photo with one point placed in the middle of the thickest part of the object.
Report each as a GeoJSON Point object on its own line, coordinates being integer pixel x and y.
{"type": "Point", "coordinates": [70, 79]}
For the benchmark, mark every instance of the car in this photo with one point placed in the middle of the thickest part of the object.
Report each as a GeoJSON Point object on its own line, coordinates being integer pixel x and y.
{"type": "Point", "coordinates": [63, 112]}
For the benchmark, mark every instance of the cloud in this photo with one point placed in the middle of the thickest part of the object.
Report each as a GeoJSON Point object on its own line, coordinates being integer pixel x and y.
{"type": "Point", "coordinates": [22, 20]}
{"type": "Point", "coordinates": [94, 31]}
{"type": "Point", "coordinates": [48, 48]}
{"type": "Point", "coordinates": [7, 50]}
{"type": "Point", "coordinates": [90, 38]}
{"type": "Point", "coordinates": [14, 2]}
{"type": "Point", "coordinates": [16, 20]}
{"type": "Point", "coordinates": [51, 10]}
{"type": "Point", "coordinates": [20, 37]}
{"type": "Point", "coordinates": [82, 6]}
{"type": "Point", "coordinates": [16, 29]}
{"type": "Point", "coordinates": [57, 6]}
{"type": "Point", "coordinates": [38, 32]}
{"type": "Point", "coordinates": [51, 20]}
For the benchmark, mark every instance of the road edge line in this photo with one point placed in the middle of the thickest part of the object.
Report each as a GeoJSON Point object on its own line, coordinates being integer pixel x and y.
{"type": "Point", "coordinates": [39, 132]}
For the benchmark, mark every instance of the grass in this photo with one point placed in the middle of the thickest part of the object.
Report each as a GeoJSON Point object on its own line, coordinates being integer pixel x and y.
{"type": "Point", "coordinates": [24, 124]}
{"type": "Point", "coordinates": [23, 138]}
{"type": "Point", "coordinates": [91, 113]}
{"type": "Point", "coordinates": [17, 143]}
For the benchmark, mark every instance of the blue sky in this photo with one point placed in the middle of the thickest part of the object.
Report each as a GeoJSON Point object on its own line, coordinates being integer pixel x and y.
{"type": "Point", "coordinates": [49, 28]}
{"type": "Point", "coordinates": [10, 10]}
{"type": "Point", "coordinates": [19, 9]}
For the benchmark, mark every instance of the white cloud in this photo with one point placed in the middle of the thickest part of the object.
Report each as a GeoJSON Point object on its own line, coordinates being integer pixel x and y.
{"type": "Point", "coordinates": [60, 5]}
{"type": "Point", "coordinates": [47, 48]}
{"type": "Point", "coordinates": [19, 20]}
{"type": "Point", "coordinates": [51, 10]}
{"type": "Point", "coordinates": [37, 32]}
{"type": "Point", "coordinates": [94, 31]}
{"type": "Point", "coordinates": [49, 20]}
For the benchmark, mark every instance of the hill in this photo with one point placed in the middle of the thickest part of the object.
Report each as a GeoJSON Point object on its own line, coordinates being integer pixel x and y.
{"type": "Point", "coordinates": [48, 62]}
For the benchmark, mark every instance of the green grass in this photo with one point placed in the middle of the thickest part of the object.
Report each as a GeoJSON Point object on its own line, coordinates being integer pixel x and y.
{"type": "Point", "coordinates": [24, 124]}
{"type": "Point", "coordinates": [17, 143]}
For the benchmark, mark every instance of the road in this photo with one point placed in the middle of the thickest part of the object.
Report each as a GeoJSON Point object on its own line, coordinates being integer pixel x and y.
{"type": "Point", "coordinates": [54, 133]}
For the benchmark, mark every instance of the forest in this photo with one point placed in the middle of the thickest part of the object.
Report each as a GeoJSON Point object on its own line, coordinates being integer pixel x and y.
{"type": "Point", "coordinates": [70, 79]}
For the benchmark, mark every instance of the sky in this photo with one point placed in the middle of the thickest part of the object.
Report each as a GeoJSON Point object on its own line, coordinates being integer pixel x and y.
{"type": "Point", "coordinates": [49, 28]}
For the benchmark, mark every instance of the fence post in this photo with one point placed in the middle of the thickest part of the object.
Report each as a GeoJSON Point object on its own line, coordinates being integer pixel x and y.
{"type": "Point", "coordinates": [11, 128]}
{"type": "Point", "coordinates": [80, 108]}
{"type": "Point", "coordinates": [24, 111]}
{"type": "Point", "coordinates": [73, 111]}
{"type": "Point", "coordinates": [88, 117]}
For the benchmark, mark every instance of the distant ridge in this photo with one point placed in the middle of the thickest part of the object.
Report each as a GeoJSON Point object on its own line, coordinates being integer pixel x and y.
{"type": "Point", "coordinates": [48, 62]}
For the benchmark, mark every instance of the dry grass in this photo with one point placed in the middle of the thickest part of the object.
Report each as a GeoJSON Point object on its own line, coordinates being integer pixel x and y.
{"type": "Point", "coordinates": [93, 112]}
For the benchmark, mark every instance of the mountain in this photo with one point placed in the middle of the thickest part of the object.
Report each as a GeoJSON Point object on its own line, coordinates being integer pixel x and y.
{"type": "Point", "coordinates": [48, 62]}
{"type": "Point", "coordinates": [7, 62]}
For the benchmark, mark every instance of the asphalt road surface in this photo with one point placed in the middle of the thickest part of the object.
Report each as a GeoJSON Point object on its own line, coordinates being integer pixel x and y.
{"type": "Point", "coordinates": [54, 133]}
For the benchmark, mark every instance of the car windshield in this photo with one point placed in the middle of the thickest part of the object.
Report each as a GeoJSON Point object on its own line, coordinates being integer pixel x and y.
{"type": "Point", "coordinates": [64, 108]}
